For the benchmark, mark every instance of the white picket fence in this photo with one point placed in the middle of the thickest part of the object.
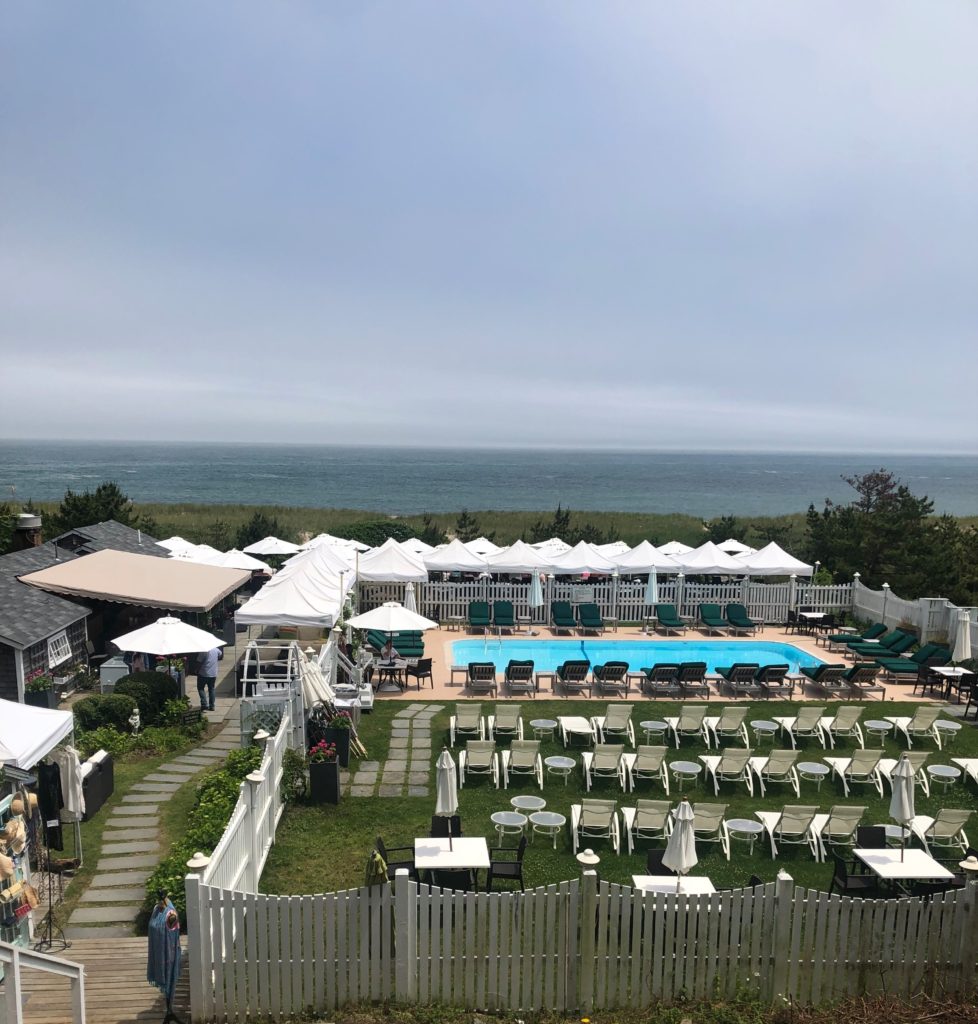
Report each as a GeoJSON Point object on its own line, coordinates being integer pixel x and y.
{"type": "Point", "coordinates": [579, 946]}
{"type": "Point", "coordinates": [930, 616]}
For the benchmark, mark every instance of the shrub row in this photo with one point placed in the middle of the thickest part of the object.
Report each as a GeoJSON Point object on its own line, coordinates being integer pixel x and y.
{"type": "Point", "coordinates": [216, 797]}
{"type": "Point", "coordinates": [151, 692]}
{"type": "Point", "coordinates": [154, 740]}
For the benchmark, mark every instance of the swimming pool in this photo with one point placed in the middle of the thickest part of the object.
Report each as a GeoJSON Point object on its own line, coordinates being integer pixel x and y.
{"type": "Point", "coordinates": [548, 654]}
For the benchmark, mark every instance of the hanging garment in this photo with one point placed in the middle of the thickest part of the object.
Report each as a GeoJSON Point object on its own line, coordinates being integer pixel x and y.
{"type": "Point", "coordinates": [49, 797]}
{"type": "Point", "coordinates": [163, 949]}
{"type": "Point", "coordinates": [72, 794]}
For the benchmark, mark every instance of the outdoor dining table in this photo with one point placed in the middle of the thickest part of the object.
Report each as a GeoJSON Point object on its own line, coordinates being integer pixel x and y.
{"type": "Point", "coordinates": [689, 885]}
{"type": "Point", "coordinates": [457, 854]}
{"type": "Point", "coordinates": [904, 865]}
{"type": "Point", "coordinates": [391, 676]}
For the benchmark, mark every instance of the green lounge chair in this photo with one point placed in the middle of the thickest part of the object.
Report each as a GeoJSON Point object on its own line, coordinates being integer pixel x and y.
{"type": "Point", "coordinates": [906, 669]}
{"type": "Point", "coordinates": [667, 620]}
{"type": "Point", "coordinates": [738, 620]}
{"type": "Point", "coordinates": [572, 677]}
{"type": "Point", "coordinates": [562, 617]}
{"type": "Point", "coordinates": [741, 678]}
{"type": "Point", "coordinates": [882, 645]}
{"type": "Point", "coordinates": [861, 679]}
{"type": "Point", "coordinates": [479, 616]}
{"type": "Point", "coordinates": [589, 618]}
{"type": "Point", "coordinates": [519, 678]}
{"type": "Point", "coordinates": [692, 678]}
{"type": "Point", "coordinates": [827, 678]}
{"type": "Point", "coordinates": [660, 680]}
{"type": "Point", "coordinates": [873, 632]}
{"type": "Point", "coordinates": [503, 616]}
{"type": "Point", "coordinates": [898, 646]}
{"type": "Point", "coordinates": [774, 682]}
{"type": "Point", "coordinates": [612, 677]}
{"type": "Point", "coordinates": [482, 677]}
{"type": "Point", "coordinates": [710, 617]}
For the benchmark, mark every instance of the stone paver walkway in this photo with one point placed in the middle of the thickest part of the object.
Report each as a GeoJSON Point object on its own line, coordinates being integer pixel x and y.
{"type": "Point", "coordinates": [130, 843]}
{"type": "Point", "coordinates": [407, 770]}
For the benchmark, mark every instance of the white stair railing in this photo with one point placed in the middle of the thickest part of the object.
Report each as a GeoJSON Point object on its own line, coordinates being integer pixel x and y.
{"type": "Point", "coordinates": [16, 959]}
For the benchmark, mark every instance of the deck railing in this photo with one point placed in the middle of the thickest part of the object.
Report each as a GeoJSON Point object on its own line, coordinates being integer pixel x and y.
{"type": "Point", "coordinates": [15, 960]}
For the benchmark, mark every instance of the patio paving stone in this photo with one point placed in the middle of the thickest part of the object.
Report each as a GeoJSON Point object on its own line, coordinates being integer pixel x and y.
{"type": "Point", "coordinates": [387, 790]}
{"type": "Point", "coordinates": [417, 791]}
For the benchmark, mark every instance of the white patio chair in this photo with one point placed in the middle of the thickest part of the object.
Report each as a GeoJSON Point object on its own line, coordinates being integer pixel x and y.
{"type": "Point", "coordinates": [838, 827]}
{"type": "Point", "coordinates": [920, 726]}
{"type": "Point", "coordinates": [729, 724]}
{"type": "Point", "coordinates": [522, 758]}
{"type": "Point", "coordinates": [793, 825]}
{"type": "Point", "coordinates": [946, 830]}
{"type": "Point", "coordinates": [595, 819]}
{"type": "Point", "coordinates": [615, 724]}
{"type": "Point", "coordinates": [647, 763]}
{"type": "Point", "coordinates": [730, 766]}
{"type": "Point", "coordinates": [778, 766]}
{"type": "Point", "coordinates": [845, 722]}
{"type": "Point", "coordinates": [478, 758]}
{"type": "Point", "coordinates": [690, 722]}
{"type": "Point", "coordinates": [506, 721]}
{"type": "Point", "coordinates": [918, 761]}
{"type": "Point", "coordinates": [710, 826]}
{"type": "Point", "coordinates": [804, 725]}
{"type": "Point", "coordinates": [649, 819]}
{"type": "Point", "coordinates": [606, 761]}
{"type": "Point", "coordinates": [467, 722]}
{"type": "Point", "coordinates": [863, 768]}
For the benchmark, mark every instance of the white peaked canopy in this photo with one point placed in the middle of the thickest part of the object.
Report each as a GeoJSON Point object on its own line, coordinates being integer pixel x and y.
{"type": "Point", "coordinates": [271, 546]}
{"type": "Point", "coordinates": [735, 547]}
{"type": "Point", "coordinates": [176, 545]}
{"type": "Point", "coordinates": [454, 557]}
{"type": "Point", "coordinates": [518, 557]}
{"type": "Point", "coordinates": [392, 617]}
{"type": "Point", "coordinates": [327, 560]}
{"type": "Point", "coordinates": [235, 559]}
{"type": "Point", "coordinates": [390, 563]}
{"type": "Point", "coordinates": [168, 636]}
{"type": "Point", "coordinates": [416, 546]}
{"type": "Point", "coordinates": [307, 592]}
{"type": "Point", "coordinates": [773, 561]}
{"type": "Point", "coordinates": [674, 547]}
{"type": "Point", "coordinates": [582, 558]}
{"type": "Point", "coordinates": [552, 547]}
{"type": "Point", "coordinates": [709, 560]}
{"type": "Point", "coordinates": [613, 550]}
{"type": "Point", "coordinates": [644, 557]}
{"type": "Point", "coordinates": [328, 540]}
{"type": "Point", "coordinates": [482, 546]}
{"type": "Point", "coordinates": [27, 733]}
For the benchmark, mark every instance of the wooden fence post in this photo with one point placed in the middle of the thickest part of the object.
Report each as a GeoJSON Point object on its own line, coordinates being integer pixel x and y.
{"type": "Point", "coordinates": [196, 965]}
{"type": "Point", "coordinates": [777, 980]}
{"type": "Point", "coordinates": [585, 961]}
{"type": "Point", "coordinates": [405, 938]}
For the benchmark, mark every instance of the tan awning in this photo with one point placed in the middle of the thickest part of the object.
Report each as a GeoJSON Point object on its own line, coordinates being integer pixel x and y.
{"type": "Point", "coordinates": [140, 580]}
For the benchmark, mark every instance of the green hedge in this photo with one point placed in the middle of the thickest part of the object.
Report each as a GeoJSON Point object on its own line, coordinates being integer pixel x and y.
{"type": "Point", "coordinates": [107, 709]}
{"type": "Point", "coordinates": [151, 690]}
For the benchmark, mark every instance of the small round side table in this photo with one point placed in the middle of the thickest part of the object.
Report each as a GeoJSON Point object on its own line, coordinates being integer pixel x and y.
{"type": "Point", "coordinates": [508, 823]}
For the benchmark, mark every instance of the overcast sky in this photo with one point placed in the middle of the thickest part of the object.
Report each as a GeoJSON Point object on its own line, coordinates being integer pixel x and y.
{"type": "Point", "coordinates": [743, 225]}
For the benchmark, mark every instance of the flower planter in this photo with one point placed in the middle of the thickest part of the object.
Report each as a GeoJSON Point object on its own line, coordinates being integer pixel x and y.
{"type": "Point", "coordinates": [41, 698]}
{"type": "Point", "coordinates": [324, 782]}
{"type": "Point", "coordinates": [341, 737]}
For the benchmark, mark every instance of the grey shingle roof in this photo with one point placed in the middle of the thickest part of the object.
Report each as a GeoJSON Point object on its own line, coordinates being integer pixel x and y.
{"type": "Point", "coordinates": [27, 614]}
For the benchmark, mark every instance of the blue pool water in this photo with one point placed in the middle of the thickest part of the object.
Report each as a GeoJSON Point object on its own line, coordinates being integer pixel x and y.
{"type": "Point", "coordinates": [548, 654]}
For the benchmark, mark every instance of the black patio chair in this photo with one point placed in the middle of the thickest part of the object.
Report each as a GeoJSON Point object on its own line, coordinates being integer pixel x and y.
{"type": "Point", "coordinates": [440, 826]}
{"type": "Point", "coordinates": [654, 865]}
{"type": "Point", "coordinates": [394, 865]}
{"type": "Point", "coordinates": [848, 884]}
{"type": "Point", "coordinates": [506, 867]}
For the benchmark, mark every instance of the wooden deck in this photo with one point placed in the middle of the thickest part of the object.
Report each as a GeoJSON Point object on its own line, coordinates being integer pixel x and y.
{"type": "Point", "coordinates": [116, 990]}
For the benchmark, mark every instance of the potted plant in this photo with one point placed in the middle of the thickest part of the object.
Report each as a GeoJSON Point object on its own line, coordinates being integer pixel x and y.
{"type": "Point", "coordinates": [324, 773]}
{"type": "Point", "coordinates": [338, 733]}
{"type": "Point", "coordinates": [39, 692]}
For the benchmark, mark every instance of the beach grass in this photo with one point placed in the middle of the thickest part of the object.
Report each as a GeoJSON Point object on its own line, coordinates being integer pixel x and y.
{"type": "Point", "coordinates": [324, 848]}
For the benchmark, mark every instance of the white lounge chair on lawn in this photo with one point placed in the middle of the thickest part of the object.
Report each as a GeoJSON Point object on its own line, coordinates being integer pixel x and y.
{"type": "Point", "coordinates": [710, 826]}
{"type": "Point", "coordinates": [606, 761]}
{"type": "Point", "coordinates": [838, 827]}
{"type": "Point", "coordinates": [863, 768]}
{"type": "Point", "coordinates": [969, 765]}
{"type": "Point", "coordinates": [729, 724]}
{"type": "Point", "coordinates": [793, 825]}
{"type": "Point", "coordinates": [730, 766]}
{"type": "Point", "coordinates": [921, 725]}
{"type": "Point", "coordinates": [522, 758]}
{"type": "Point", "coordinates": [804, 725]}
{"type": "Point", "coordinates": [507, 720]}
{"type": "Point", "coordinates": [778, 766]}
{"type": "Point", "coordinates": [478, 758]}
{"type": "Point", "coordinates": [466, 723]}
{"type": "Point", "coordinates": [647, 763]}
{"type": "Point", "coordinates": [946, 830]}
{"type": "Point", "coordinates": [845, 722]}
{"type": "Point", "coordinates": [649, 819]}
{"type": "Point", "coordinates": [689, 723]}
{"type": "Point", "coordinates": [595, 819]}
{"type": "Point", "coordinates": [615, 724]}
{"type": "Point", "coordinates": [918, 761]}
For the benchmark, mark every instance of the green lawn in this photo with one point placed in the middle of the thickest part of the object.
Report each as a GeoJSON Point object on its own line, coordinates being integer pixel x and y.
{"type": "Point", "coordinates": [324, 848]}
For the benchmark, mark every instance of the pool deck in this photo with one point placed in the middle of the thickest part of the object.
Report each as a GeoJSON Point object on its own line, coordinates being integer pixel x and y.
{"type": "Point", "coordinates": [438, 646]}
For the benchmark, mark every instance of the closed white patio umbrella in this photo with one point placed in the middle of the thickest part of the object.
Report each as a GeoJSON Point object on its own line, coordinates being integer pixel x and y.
{"type": "Point", "coordinates": [652, 589]}
{"type": "Point", "coordinates": [410, 602]}
{"type": "Point", "coordinates": [962, 638]}
{"type": "Point", "coordinates": [680, 853]}
{"type": "Point", "coordinates": [446, 789]}
{"type": "Point", "coordinates": [535, 599]}
{"type": "Point", "coordinates": [902, 800]}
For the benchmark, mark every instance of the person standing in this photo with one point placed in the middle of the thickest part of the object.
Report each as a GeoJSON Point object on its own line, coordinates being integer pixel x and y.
{"type": "Point", "coordinates": [207, 677]}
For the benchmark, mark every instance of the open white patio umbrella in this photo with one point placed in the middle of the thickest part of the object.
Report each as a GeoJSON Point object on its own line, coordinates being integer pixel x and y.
{"type": "Point", "coordinates": [410, 601]}
{"type": "Point", "coordinates": [902, 800]}
{"type": "Point", "coordinates": [391, 617]}
{"type": "Point", "coordinates": [168, 636]}
{"type": "Point", "coordinates": [962, 638]}
{"type": "Point", "coordinates": [652, 589]}
{"type": "Point", "coordinates": [680, 853]}
{"type": "Point", "coordinates": [735, 547]}
{"type": "Point", "coordinates": [674, 547]}
{"type": "Point", "coordinates": [271, 546]}
{"type": "Point", "coordinates": [446, 789]}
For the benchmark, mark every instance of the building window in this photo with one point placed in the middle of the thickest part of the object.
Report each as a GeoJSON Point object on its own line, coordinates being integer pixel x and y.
{"type": "Point", "coordinates": [59, 650]}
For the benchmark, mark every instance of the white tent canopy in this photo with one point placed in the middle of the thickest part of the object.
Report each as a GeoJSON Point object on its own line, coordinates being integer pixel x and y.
{"type": "Point", "coordinates": [644, 557]}
{"type": "Point", "coordinates": [454, 557]}
{"type": "Point", "coordinates": [482, 546]}
{"type": "Point", "coordinates": [613, 550]}
{"type": "Point", "coordinates": [305, 593]}
{"type": "Point", "coordinates": [735, 547]}
{"type": "Point", "coordinates": [709, 560]}
{"type": "Point", "coordinates": [674, 547]}
{"type": "Point", "coordinates": [326, 557]}
{"type": "Point", "coordinates": [580, 559]}
{"type": "Point", "coordinates": [390, 563]}
{"type": "Point", "coordinates": [552, 547]}
{"type": "Point", "coordinates": [518, 557]}
{"type": "Point", "coordinates": [271, 546]}
{"type": "Point", "coordinates": [329, 540]}
{"type": "Point", "coordinates": [235, 559]}
{"type": "Point", "coordinates": [774, 561]}
{"type": "Point", "coordinates": [27, 733]}
{"type": "Point", "coordinates": [416, 546]}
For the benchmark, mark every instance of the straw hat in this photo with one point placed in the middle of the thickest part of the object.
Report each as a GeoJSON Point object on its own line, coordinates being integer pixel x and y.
{"type": "Point", "coordinates": [15, 834]}
{"type": "Point", "coordinates": [32, 804]}
{"type": "Point", "coordinates": [6, 866]}
{"type": "Point", "coordinates": [17, 806]}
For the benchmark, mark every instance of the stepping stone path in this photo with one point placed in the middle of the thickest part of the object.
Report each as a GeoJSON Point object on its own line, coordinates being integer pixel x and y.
{"type": "Point", "coordinates": [407, 770]}
{"type": "Point", "coordinates": [130, 843]}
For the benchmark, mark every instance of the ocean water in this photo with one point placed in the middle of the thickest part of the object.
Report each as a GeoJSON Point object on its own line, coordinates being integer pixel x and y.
{"type": "Point", "coordinates": [402, 481]}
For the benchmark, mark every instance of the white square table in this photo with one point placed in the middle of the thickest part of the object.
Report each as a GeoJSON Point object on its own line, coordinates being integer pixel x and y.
{"type": "Point", "coordinates": [690, 885]}
{"type": "Point", "coordinates": [470, 854]}
{"type": "Point", "coordinates": [915, 865]}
